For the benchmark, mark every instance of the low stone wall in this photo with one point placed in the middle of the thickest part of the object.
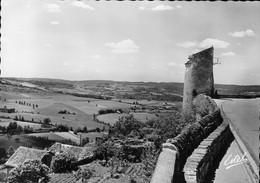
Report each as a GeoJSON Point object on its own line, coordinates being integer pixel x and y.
{"type": "Point", "coordinates": [176, 151]}
{"type": "Point", "coordinates": [197, 165]}
{"type": "Point", "coordinates": [165, 167]}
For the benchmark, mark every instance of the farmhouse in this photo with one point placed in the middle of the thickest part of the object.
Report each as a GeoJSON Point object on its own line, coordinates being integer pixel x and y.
{"type": "Point", "coordinates": [82, 154]}
{"type": "Point", "coordinates": [6, 110]}
{"type": "Point", "coordinates": [23, 154]}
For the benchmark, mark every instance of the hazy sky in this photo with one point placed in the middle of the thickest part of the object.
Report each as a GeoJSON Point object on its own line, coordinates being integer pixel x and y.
{"type": "Point", "coordinates": [128, 41]}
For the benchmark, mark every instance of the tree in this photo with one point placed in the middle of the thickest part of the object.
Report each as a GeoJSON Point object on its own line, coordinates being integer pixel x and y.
{"type": "Point", "coordinates": [85, 129]}
{"type": "Point", "coordinates": [63, 163]}
{"type": "Point", "coordinates": [3, 155]}
{"type": "Point", "coordinates": [85, 141]}
{"type": "Point", "coordinates": [84, 174]}
{"type": "Point", "coordinates": [46, 122]}
{"type": "Point", "coordinates": [28, 172]}
{"type": "Point", "coordinates": [11, 150]}
{"type": "Point", "coordinates": [125, 125]}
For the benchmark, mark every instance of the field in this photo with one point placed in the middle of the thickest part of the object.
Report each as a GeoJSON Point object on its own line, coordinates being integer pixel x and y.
{"type": "Point", "coordinates": [58, 136]}
{"type": "Point", "coordinates": [6, 142]}
{"type": "Point", "coordinates": [50, 105]}
{"type": "Point", "coordinates": [33, 125]}
{"type": "Point", "coordinates": [113, 118]}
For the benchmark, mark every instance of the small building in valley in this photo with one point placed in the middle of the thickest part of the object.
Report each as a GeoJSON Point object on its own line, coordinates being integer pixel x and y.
{"type": "Point", "coordinates": [6, 110]}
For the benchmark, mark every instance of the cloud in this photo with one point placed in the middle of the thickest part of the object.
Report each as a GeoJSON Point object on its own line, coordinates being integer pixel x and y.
{"type": "Point", "coordinates": [66, 64]}
{"type": "Point", "coordinates": [230, 53]}
{"type": "Point", "coordinates": [52, 7]}
{"type": "Point", "coordinates": [80, 4]}
{"type": "Point", "coordinates": [246, 33]}
{"type": "Point", "coordinates": [54, 23]}
{"type": "Point", "coordinates": [204, 44]}
{"type": "Point", "coordinates": [188, 44]}
{"type": "Point", "coordinates": [96, 57]}
{"type": "Point", "coordinates": [162, 7]}
{"type": "Point", "coordinates": [213, 42]}
{"type": "Point", "coordinates": [125, 46]}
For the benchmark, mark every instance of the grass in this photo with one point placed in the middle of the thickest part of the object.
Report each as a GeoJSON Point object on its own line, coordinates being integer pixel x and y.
{"type": "Point", "coordinates": [33, 125]}
{"type": "Point", "coordinates": [110, 118]}
{"type": "Point", "coordinates": [6, 143]}
{"type": "Point", "coordinates": [49, 135]}
{"type": "Point", "coordinates": [113, 117]}
{"type": "Point", "coordinates": [51, 104]}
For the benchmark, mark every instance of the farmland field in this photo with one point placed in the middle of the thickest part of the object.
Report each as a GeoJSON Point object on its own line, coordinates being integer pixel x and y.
{"type": "Point", "coordinates": [49, 135]}
{"type": "Point", "coordinates": [6, 142]}
{"type": "Point", "coordinates": [21, 123]}
{"type": "Point", "coordinates": [113, 118]}
{"type": "Point", "coordinates": [50, 105]}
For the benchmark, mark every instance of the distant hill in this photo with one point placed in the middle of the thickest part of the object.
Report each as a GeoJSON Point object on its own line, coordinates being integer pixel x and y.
{"type": "Point", "coordinates": [120, 88]}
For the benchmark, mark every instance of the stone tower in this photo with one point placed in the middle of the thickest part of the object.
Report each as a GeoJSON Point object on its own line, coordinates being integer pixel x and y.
{"type": "Point", "coordinates": [198, 78]}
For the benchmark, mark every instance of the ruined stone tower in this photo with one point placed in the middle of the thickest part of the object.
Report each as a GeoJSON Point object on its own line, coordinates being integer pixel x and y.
{"type": "Point", "coordinates": [198, 78]}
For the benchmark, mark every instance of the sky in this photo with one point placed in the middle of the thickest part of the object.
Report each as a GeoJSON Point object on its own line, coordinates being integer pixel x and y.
{"type": "Point", "coordinates": [128, 41]}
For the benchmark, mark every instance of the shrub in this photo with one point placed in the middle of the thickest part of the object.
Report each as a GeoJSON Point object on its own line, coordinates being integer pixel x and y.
{"type": "Point", "coordinates": [84, 174]}
{"type": "Point", "coordinates": [63, 163]}
{"type": "Point", "coordinates": [11, 150]}
{"type": "Point", "coordinates": [29, 171]}
{"type": "Point", "coordinates": [3, 155]}
{"type": "Point", "coordinates": [85, 141]}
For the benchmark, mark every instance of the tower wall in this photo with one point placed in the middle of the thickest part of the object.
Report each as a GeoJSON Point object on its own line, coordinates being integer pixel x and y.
{"type": "Point", "coordinates": [198, 77]}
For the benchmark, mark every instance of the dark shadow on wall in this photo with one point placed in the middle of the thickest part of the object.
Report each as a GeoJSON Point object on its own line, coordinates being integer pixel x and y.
{"type": "Point", "coordinates": [217, 159]}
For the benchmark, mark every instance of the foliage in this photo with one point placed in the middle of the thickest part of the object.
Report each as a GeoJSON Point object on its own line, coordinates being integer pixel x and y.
{"type": "Point", "coordinates": [84, 174]}
{"type": "Point", "coordinates": [104, 151]}
{"type": "Point", "coordinates": [46, 121]}
{"type": "Point", "coordinates": [62, 128]}
{"type": "Point", "coordinates": [107, 111]}
{"type": "Point", "coordinates": [3, 155]}
{"type": "Point", "coordinates": [125, 125]}
{"type": "Point", "coordinates": [84, 141]}
{"type": "Point", "coordinates": [11, 150]}
{"type": "Point", "coordinates": [63, 163]}
{"type": "Point", "coordinates": [168, 125]}
{"type": "Point", "coordinates": [29, 171]}
{"type": "Point", "coordinates": [13, 128]}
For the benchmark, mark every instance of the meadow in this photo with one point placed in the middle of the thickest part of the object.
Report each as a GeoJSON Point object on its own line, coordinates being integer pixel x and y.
{"type": "Point", "coordinates": [81, 110]}
{"type": "Point", "coordinates": [113, 117]}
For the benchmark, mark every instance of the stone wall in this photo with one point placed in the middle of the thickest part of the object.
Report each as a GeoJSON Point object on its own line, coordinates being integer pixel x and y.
{"type": "Point", "coordinates": [204, 158]}
{"type": "Point", "coordinates": [176, 151]}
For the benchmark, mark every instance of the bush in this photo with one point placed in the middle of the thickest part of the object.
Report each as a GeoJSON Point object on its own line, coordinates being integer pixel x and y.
{"type": "Point", "coordinates": [85, 141]}
{"type": "Point", "coordinates": [3, 155]}
{"type": "Point", "coordinates": [84, 174]}
{"type": "Point", "coordinates": [11, 150]}
{"type": "Point", "coordinates": [29, 171]}
{"type": "Point", "coordinates": [63, 163]}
